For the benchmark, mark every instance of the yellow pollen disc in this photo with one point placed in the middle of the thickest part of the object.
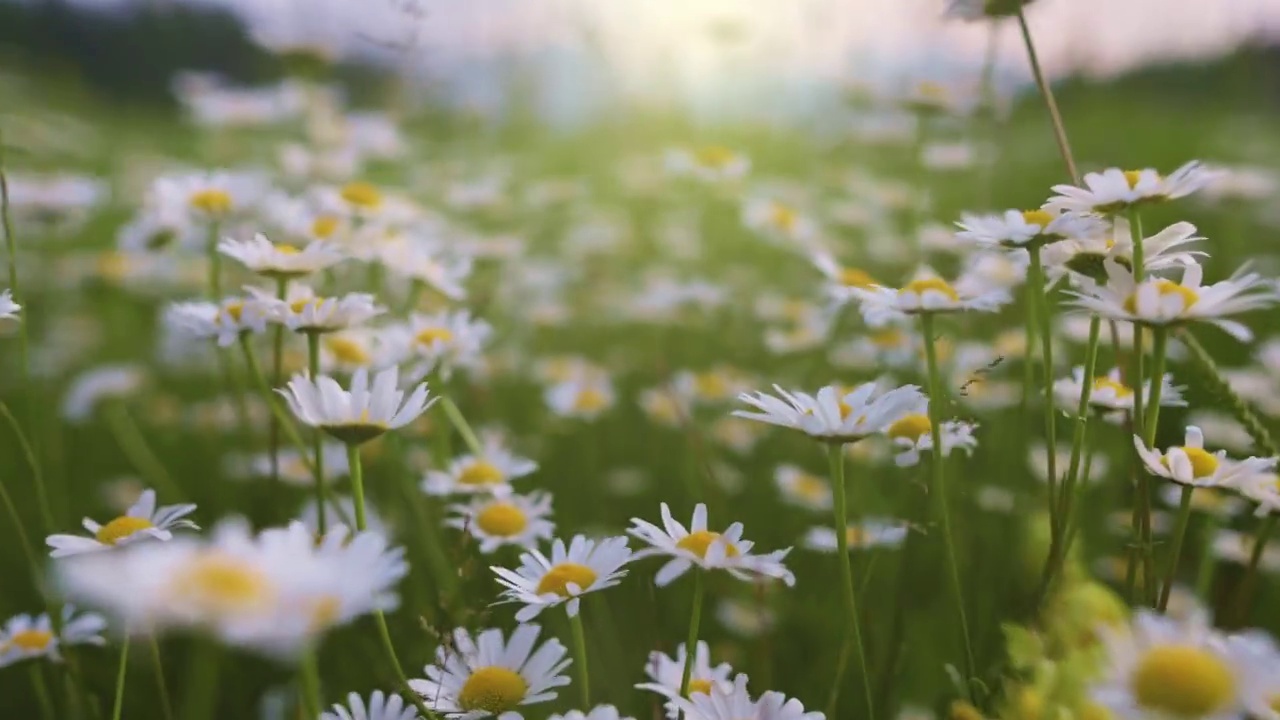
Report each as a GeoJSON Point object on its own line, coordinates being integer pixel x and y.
{"type": "Point", "coordinates": [711, 385]}
{"type": "Point", "coordinates": [1182, 681]}
{"type": "Point", "coordinates": [1037, 217]}
{"type": "Point", "coordinates": [889, 339]}
{"type": "Point", "coordinates": [697, 543]}
{"type": "Point", "coordinates": [346, 350]}
{"type": "Point", "coordinates": [432, 335]}
{"type": "Point", "coordinates": [912, 427]}
{"type": "Point", "coordinates": [853, 277]}
{"type": "Point", "coordinates": [590, 400]}
{"type": "Point", "coordinates": [1203, 463]}
{"type": "Point", "coordinates": [559, 577]}
{"type": "Point", "coordinates": [494, 690]}
{"type": "Point", "coordinates": [212, 201]}
{"type": "Point", "coordinates": [783, 217]}
{"type": "Point", "coordinates": [121, 528]}
{"type": "Point", "coordinates": [287, 250]}
{"type": "Point", "coordinates": [715, 156]}
{"type": "Point", "coordinates": [856, 536]}
{"type": "Point", "coordinates": [324, 226]}
{"type": "Point", "coordinates": [931, 283]}
{"type": "Point", "coordinates": [31, 640]}
{"type": "Point", "coordinates": [361, 194]}
{"type": "Point", "coordinates": [1165, 288]}
{"type": "Point", "coordinates": [1132, 177]}
{"type": "Point", "coordinates": [235, 310]}
{"type": "Point", "coordinates": [1121, 390]}
{"type": "Point", "coordinates": [481, 472]}
{"type": "Point", "coordinates": [810, 487]}
{"type": "Point", "coordinates": [699, 686]}
{"type": "Point", "coordinates": [502, 519]}
{"type": "Point", "coordinates": [222, 583]}
{"type": "Point", "coordinates": [325, 611]}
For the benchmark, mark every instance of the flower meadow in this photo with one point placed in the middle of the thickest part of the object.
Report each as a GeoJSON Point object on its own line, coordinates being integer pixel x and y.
{"type": "Point", "coordinates": [312, 413]}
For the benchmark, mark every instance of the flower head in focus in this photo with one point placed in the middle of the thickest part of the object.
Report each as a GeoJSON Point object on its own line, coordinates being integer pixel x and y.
{"type": "Point", "coordinates": [360, 414]}
{"type": "Point", "coordinates": [564, 576]}
{"type": "Point", "coordinates": [142, 521]}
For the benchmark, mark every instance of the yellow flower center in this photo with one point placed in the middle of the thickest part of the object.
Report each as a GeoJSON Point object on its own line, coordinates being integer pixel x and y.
{"type": "Point", "coordinates": [590, 400]}
{"type": "Point", "coordinates": [223, 584]}
{"type": "Point", "coordinates": [324, 226]}
{"type": "Point", "coordinates": [856, 536]}
{"type": "Point", "coordinates": [361, 194]}
{"type": "Point", "coordinates": [921, 285]}
{"type": "Point", "coordinates": [559, 577]}
{"type": "Point", "coordinates": [810, 487]}
{"type": "Point", "coordinates": [121, 528]}
{"type": "Point", "coordinates": [699, 686]}
{"type": "Point", "coordinates": [1132, 177]}
{"type": "Point", "coordinates": [889, 339]}
{"type": "Point", "coordinates": [113, 265]}
{"type": "Point", "coordinates": [911, 427]}
{"type": "Point", "coordinates": [432, 335]}
{"type": "Point", "coordinates": [31, 640]}
{"type": "Point", "coordinates": [502, 519]}
{"type": "Point", "coordinates": [697, 543]}
{"type": "Point", "coordinates": [1182, 681]}
{"type": "Point", "coordinates": [1203, 462]}
{"type": "Point", "coordinates": [481, 472]}
{"type": "Point", "coordinates": [287, 250]}
{"type": "Point", "coordinates": [783, 217]}
{"type": "Point", "coordinates": [235, 310]}
{"type": "Point", "coordinates": [853, 277]}
{"type": "Point", "coordinates": [324, 612]}
{"type": "Point", "coordinates": [715, 156]}
{"type": "Point", "coordinates": [494, 690]}
{"type": "Point", "coordinates": [711, 385]}
{"type": "Point", "coordinates": [1037, 217]}
{"type": "Point", "coordinates": [211, 201]}
{"type": "Point", "coordinates": [1165, 288]}
{"type": "Point", "coordinates": [346, 350]}
{"type": "Point", "coordinates": [1105, 383]}
{"type": "Point", "coordinates": [297, 306]}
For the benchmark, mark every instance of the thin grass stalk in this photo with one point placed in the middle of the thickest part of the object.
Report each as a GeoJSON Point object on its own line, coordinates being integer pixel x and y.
{"type": "Point", "coordinates": [1046, 91]}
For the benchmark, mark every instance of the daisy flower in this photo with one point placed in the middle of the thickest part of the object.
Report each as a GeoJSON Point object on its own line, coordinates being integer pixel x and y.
{"type": "Point", "coordinates": [446, 275]}
{"type": "Point", "coordinates": [584, 398]}
{"type": "Point", "coordinates": [834, 414]}
{"type": "Point", "coordinates": [600, 712]}
{"type": "Point", "coordinates": [745, 618]}
{"type": "Point", "coordinates": [142, 521]}
{"type": "Point", "coordinates": [379, 707]}
{"type": "Point", "coordinates": [927, 293]}
{"type": "Point", "coordinates": [1161, 667]}
{"type": "Point", "coordinates": [1259, 657]}
{"type": "Point", "coordinates": [8, 308]}
{"type": "Point", "coordinates": [342, 509]}
{"type": "Point", "coordinates": [864, 535]}
{"type": "Point", "coordinates": [1191, 464]}
{"type": "Point", "coordinates": [346, 351]}
{"type": "Point", "coordinates": [706, 549]}
{"type": "Point", "coordinates": [293, 468]}
{"type": "Point", "coordinates": [710, 163]}
{"type": "Point", "coordinates": [490, 472]}
{"type": "Point", "coordinates": [776, 219]}
{"type": "Point", "coordinates": [492, 675]}
{"type": "Point", "coordinates": [24, 637]}
{"type": "Point", "coordinates": [735, 703]}
{"type": "Point", "coordinates": [983, 9]}
{"type": "Point", "coordinates": [442, 342]}
{"type": "Point", "coordinates": [1262, 487]}
{"type": "Point", "coordinates": [665, 406]}
{"type": "Point", "coordinates": [584, 566]}
{"type": "Point", "coordinates": [264, 257]}
{"type": "Point", "coordinates": [303, 311]}
{"type": "Point", "coordinates": [716, 385]}
{"type": "Point", "coordinates": [1115, 191]}
{"type": "Point", "coordinates": [520, 520]}
{"type": "Point", "coordinates": [1086, 255]}
{"type": "Point", "coordinates": [361, 414]}
{"type": "Point", "coordinates": [842, 280]}
{"type": "Point", "coordinates": [1161, 302]}
{"type": "Point", "coordinates": [1212, 501]}
{"type": "Point", "coordinates": [99, 385]}
{"type": "Point", "coordinates": [803, 489]}
{"type": "Point", "coordinates": [913, 435]}
{"type": "Point", "coordinates": [1109, 394]}
{"type": "Point", "coordinates": [207, 197]}
{"type": "Point", "coordinates": [226, 321]}
{"type": "Point", "coordinates": [1017, 229]}
{"type": "Point", "coordinates": [666, 674]}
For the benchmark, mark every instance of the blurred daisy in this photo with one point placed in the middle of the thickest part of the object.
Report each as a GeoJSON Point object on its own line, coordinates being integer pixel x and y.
{"type": "Point", "coordinates": [264, 257]}
{"type": "Point", "coordinates": [443, 274]}
{"type": "Point", "coordinates": [664, 406]}
{"type": "Point", "coordinates": [706, 549]}
{"type": "Point", "coordinates": [600, 712]}
{"type": "Point", "coordinates": [379, 707]}
{"type": "Point", "coordinates": [206, 197]}
{"type": "Point", "coordinates": [833, 415]}
{"type": "Point", "coordinates": [584, 566]}
{"type": "Point", "coordinates": [25, 637]}
{"type": "Point", "coordinates": [777, 220]}
{"type": "Point", "coordinates": [490, 472]}
{"type": "Point", "coordinates": [492, 676]}
{"type": "Point", "coordinates": [1237, 548]}
{"type": "Point", "coordinates": [1212, 501]}
{"type": "Point", "coordinates": [1222, 429]}
{"type": "Point", "coordinates": [864, 535]}
{"type": "Point", "coordinates": [717, 385]}
{"type": "Point", "coordinates": [1258, 656]}
{"type": "Point", "coordinates": [226, 321]}
{"type": "Point", "coordinates": [666, 674]}
{"type": "Point", "coordinates": [736, 434]}
{"type": "Point", "coordinates": [8, 308]}
{"type": "Point", "coordinates": [842, 280]}
{"type": "Point", "coordinates": [360, 414]}
{"type": "Point", "coordinates": [293, 467]}
{"type": "Point", "coordinates": [1038, 461]}
{"type": "Point", "coordinates": [142, 521]}
{"type": "Point", "coordinates": [927, 293]}
{"type": "Point", "coordinates": [303, 311]}
{"type": "Point", "coordinates": [803, 489]}
{"type": "Point", "coordinates": [521, 520]}
{"type": "Point", "coordinates": [745, 618]}
{"type": "Point", "coordinates": [913, 434]}
{"type": "Point", "coordinates": [1261, 487]}
{"type": "Point", "coordinates": [1115, 191]}
{"type": "Point", "coordinates": [1191, 464]}
{"type": "Point", "coordinates": [1109, 394]}
{"type": "Point", "coordinates": [584, 398]}
{"type": "Point", "coordinates": [735, 703]}
{"type": "Point", "coordinates": [348, 350]}
{"type": "Point", "coordinates": [443, 342]}
{"type": "Point", "coordinates": [1087, 255]}
{"type": "Point", "coordinates": [1026, 229]}
{"type": "Point", "coordinates": [101, 384]}
{"type": "Point", "coordinates": [342, 509]}
{"type": "Point", "coordinates": [710, 163]}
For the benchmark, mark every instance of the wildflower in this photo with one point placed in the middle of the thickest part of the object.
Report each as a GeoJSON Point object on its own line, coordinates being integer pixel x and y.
{"type": "Point", "coordinates": [303, 311]}
{"type": "Point", "coordinates": [441, 343]}
{"type": "Point", "coordinates": [263, 257]}
{"type": "Point", "coordinates": [520, 520]}
{"type": "Point", "coordinates": [834, 414]}
{"type": "Point", "coordinates": [1087, 255]}
{"type": "Point", "coordinates": [226, 322]}
{"type": "Point", "coordinates": [1115, 191]}
{"type": "Point", "coordinates": [803, 489]}
{"type": "Point", "coordinates": [707, 549]}
{"type": "Point", "coordinates": [25, 637]}
{"type": "Point", "coordinates": [358, 415]}
{"type": "Point", "coordinates": [206, 197]}
{"type": "Point", "coordinates": [492, 676]}
{"type": "Point", "coordinates": [584, 566]}
{"type": "Point", "coordinates": [108, 382]}
{"type": "Point", "coordinates": [342, 509]}
{"type": "Point", "coordinates": [446, 275]}
{"type": "Point", "coordinates": [711, 163]}
{"type": "Point", "coordinates": [842, 280]}
{"type": "Point", "coordinates": [735, 703]}
{"type": "Point", "coordinates": [1109, 394]}
{"type": "Point", "coordinates": [1260, 684]}
{"type": "Point", "coordinates": [927, 293]}
{"type": "Point", "coordinates": [1026, 229]}
{"type": "Point", "coordinates": [142, 521]}
{"type": "Point", "coordinates": [716, 385]}
{"type": "Point", "coordinates": [379, 707]}
{"type": "Point", "coordinates": [665, 406]}
{"type": "Point", "coordinates": [777, 220]}
{"type": "Point", "coordinates": [585, 398]}
{"type": "Point", "coordinates": [743, 618]}
{"type": "Point", "coordinates": [292, 465]}
{"type": "Point", "coordinates": [489, 472]}
{"type": "Point", "coordinates": [864, 535]}
{"type": "Point", "coordinates": [8, 308]}
{"type": "Point", "coordinates": [1213, 501]}
{"type": "Point", "coordinates": [666, 674]}
{"type": "Point", "coordinates": [1191, 464]}
{"type": "Point", "coordinates": [913, 434]}
{"type": "Point", "coordinates": [1262, 488]}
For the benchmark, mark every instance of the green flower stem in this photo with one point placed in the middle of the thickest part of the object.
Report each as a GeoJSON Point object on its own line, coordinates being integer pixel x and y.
{"type": "Point", "coordinates": [854, 631]}
{"type": "Point", "coordinates": [41, 687]}
{"type": "Point", "coordinates": [691, 642]}
{"type": "Point", "coordinates": [1218, 386]}
{"type": "Point", "coordinates": [201, 689]}
{"type": "Point", "coordinates": [134, 444]}
{"type": "Point", "coordinates": [357, 484]}
{"type": "Point", "coordinates": [309, 682]}
{"type": "Point", "coordinates": [1179, 536]}
{"type": "Point", "coordinates": [1142, 504]}
{"type": "Point", "coordinates": [24, 341]}
{"type": "Point", "coordinates": [1160, 346]}
{"type": "Point", "coordinates": [1244, 595]}
{"type": "Point", "coordinates": [460, 424]}
{"type": "Point", "coordinates": [274, 402]}
{"type": "Point", "coordinates": [317, 441]}
{"type": "Point", "coordinates": [277, 379]}
{"type": "Point", "coordinates": [939, 490]}
{"type": "Point", "coordinates": [580, 660]}
{"type": "Point", "coordinates": [1159, 354]}
{"type": "Point", "coordinates": [37, 471]}
{"type": "Point", "coordinates": [215, 263]}
{"type": "Point", "coordinates": [1038, 298]}
{"type": "Point", "coordinates": [162, 687]}
{"type": "Point", "coordinates": [1059, 130]}
{"type": "Point", "coordinates": [15, 518]}
{"type": "Point", "coordinates": [120, 675]}
{"type": "Point", "coordinates": [1208, 561]}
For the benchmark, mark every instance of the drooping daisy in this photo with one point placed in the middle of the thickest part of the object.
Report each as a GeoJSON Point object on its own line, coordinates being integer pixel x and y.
{"type": "Point", "coordinates": [706, 549]}
{"type": "Point", "coordinates": [1164, 303]}
{"type": "Point", "coordinates": [600, 712]}
{"type": "Point", "coordinates": [864, 535]}
{"type": "Point", "coordinates": [1115, 191]}
{"type": "Point", "coordinates": [379, 707]}
{"type": "Point", "coordinates": [142, 521]}
{"type": "Point", "coordinates": [1263, 488]}
{"type": "Point", "coordinates": [1109, 394]}
{"type": "Point", "coordinates": [666, 673]}
{"type": "Point", "coordinates": [583, 398]}
{"type": "Point", "coordinates": [927, 293]}
{"type": "Point", "coordinates": [1026, 229]}
{"type": "Point", "coordinates": [803, 489]}
{"type": "Point", "coordinates": [226, 321]}
{"type": "Point", "coordinates": [491, 675]}
{"type": "Point", "coordinates": [302, 310]}
{"type": "Point", "coordinates": [834, 414]}
{"type": "Point", "coordinates": [264, 257]}
{"type": "Point", "coordinates": [24, 637]}
{"type": "Point", "coordinates": [1191, 464]}
{"type": "Point", "coordinates": [8, 308]}
{"type": "Point", "coordinates": [358, 415]}
{"type": "Point", "coordinates": [735, 703]}
{"type": "Point", "coordinates": [512, 519]}
{"type": "Point", "coordinates": [490, 472]}
{"type": "Point", "coordinates": [1086, 255]}
{"type": "Point", "coordinates": [584, 566]}
{"type": "Point", "coordinates": [913, 434]}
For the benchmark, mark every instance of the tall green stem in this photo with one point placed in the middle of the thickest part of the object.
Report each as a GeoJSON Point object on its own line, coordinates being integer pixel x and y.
{"type": "Point", "coordinates": [1208, 561]}
{"type": "Point", "coordinates": [215, 263]}
{"type": "Point", "coordinates": [1244, 595]}
{"type": "Point", "coordinates": [201, 688]}
{"type": "Point", "coordinates": [41, 687]}
{"type": "Point", "coordinates": [939, 490]}
{"type": "Point", "coordinates": [1038, 298]}
{"type": "Point", "coordinates": [37, 567]}
{"type": "Point", "coordinates": [120, 675]}
{"type": "Point", "coordinates": [1142, 503]}
{"type": "Point", "coordinates": [317, 440]}
{"type": "Point", "coordinates": [580, 660]}
{"type": "Point", "coordinates": [277, 379]}
{"type": "Point", "coordinates": [309, 680]}
{"type": "Point", "coordinates": [691, 640]}
{"type": "Point", "coordinates": [854, 630]}
{"type": "Point", "coordinates": [161, 686]}
{"type": "Point", "coordinates": [274, 402]}
{"type": "Point", "coordinates": [134, 444]}
{"type": "Point", "coordinates": [1059, 130]}
{"type": "Point", "coordinates": [357, 484]}
{"type": "Point", "coordinates": [459, 423]}
{"type": "Point", "coordinates": [1179, 535]}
